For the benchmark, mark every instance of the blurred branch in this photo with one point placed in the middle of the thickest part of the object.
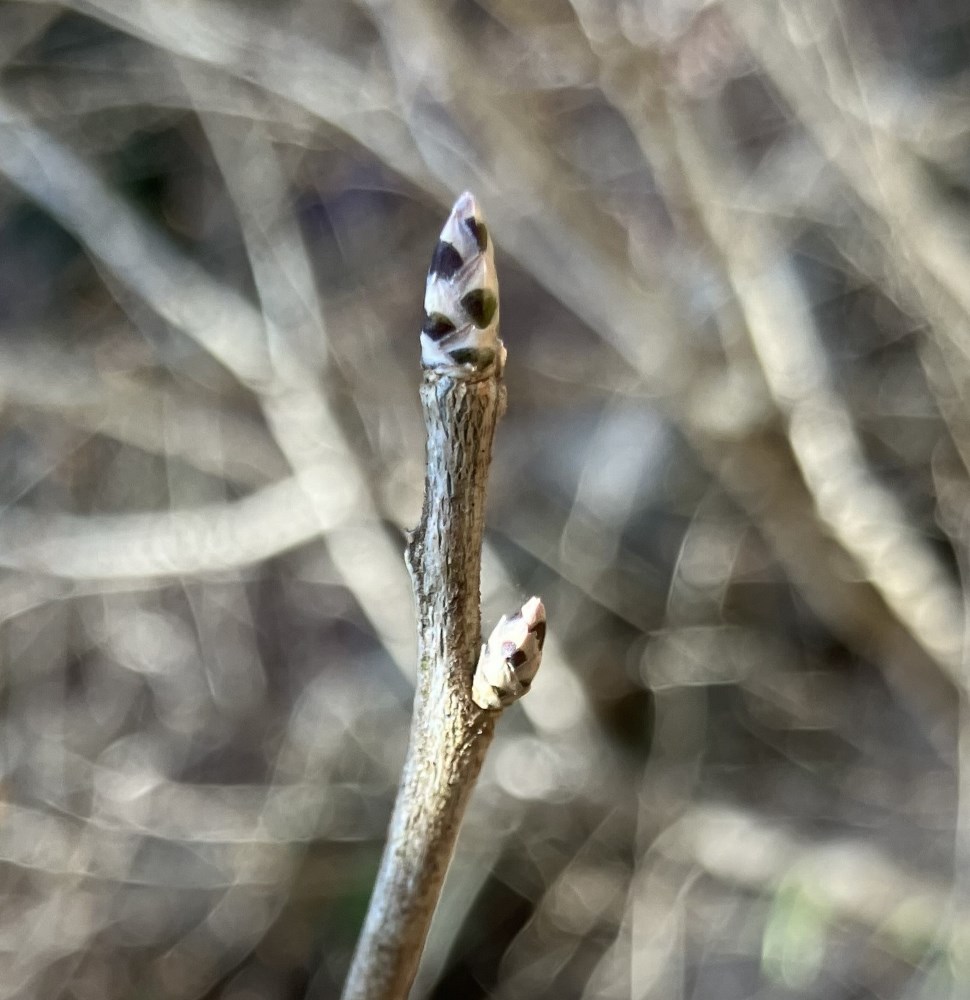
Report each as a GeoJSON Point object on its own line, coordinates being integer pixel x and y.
{"type": "Point", "coordinates": [225, 325]}
{"type": "Point", "coordinates": [848, 878]}
{"type": "Point", "coordinates": [298, 411]}
{"type": "Point", "coordinates": [865, 517]}
{"type": "Point", "coordinates": [756, 461]}
{"type": "Point", "coordinates": [820, 78]}
{"type": "Point", "coordinates": [351, 96]}
{"type": "Point", "coordinates": [160, 420]}
{"type": "Point", "coordinates": [206, 539]}
{"type": "Point", "coordinates": [141, 257]}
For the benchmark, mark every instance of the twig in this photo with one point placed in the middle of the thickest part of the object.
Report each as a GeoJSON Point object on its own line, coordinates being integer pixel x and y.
{"type": "Point", "coordinates": [462, 396]}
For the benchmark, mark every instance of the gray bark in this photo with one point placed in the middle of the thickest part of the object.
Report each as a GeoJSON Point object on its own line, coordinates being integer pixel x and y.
{"type": "Point", "coordinates": [450, 733]}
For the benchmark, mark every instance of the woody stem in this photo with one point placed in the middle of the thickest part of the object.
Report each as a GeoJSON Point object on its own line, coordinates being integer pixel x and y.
{"type": "Point", "coordinates": [450, 733]}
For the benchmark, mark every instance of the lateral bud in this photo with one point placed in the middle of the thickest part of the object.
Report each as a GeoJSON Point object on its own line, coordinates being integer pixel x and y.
{"type": "Point", "coordinates": [510, 658]}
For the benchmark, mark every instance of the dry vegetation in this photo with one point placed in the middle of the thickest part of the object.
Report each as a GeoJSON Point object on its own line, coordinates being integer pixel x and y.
{"type": "Point", "coordinates": [736, 296]}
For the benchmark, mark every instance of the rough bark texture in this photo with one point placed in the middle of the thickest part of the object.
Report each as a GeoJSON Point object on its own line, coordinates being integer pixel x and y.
{"type": "Point", "coordinates": [449, 734]}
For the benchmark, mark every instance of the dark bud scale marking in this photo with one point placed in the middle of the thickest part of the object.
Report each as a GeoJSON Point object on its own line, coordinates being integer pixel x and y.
{"type": "Point", "coordinates": [480, 305]}
{"type": "Point", "coordinates": [479, 230]}
{"type": "Point", "coordinates": [446, 261]}
{"type": "Point", "coordinates": [478, 359]}
{"type": "Point", "coordinates": [460, 331]}
{"type": "Point", "coordinates": [437, 326]}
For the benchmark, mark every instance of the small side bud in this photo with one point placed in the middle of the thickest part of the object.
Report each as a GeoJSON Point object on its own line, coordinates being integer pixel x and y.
{"type": "Point", "coordinates": [510, 659]}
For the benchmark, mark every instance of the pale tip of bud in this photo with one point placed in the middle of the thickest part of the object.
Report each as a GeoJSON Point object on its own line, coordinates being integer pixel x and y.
{"type": "Point", "coordinates": [466, 205]}
{"type": "Point", "coordinates": [533, 611]}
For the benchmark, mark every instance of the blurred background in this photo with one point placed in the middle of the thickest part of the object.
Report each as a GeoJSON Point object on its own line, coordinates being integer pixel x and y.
{"type": "Point", "coordinates": [733, 251]}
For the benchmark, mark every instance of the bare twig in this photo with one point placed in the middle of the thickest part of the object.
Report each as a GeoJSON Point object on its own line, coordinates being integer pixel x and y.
{"type": "Point", "coordinates": [462, 396]}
